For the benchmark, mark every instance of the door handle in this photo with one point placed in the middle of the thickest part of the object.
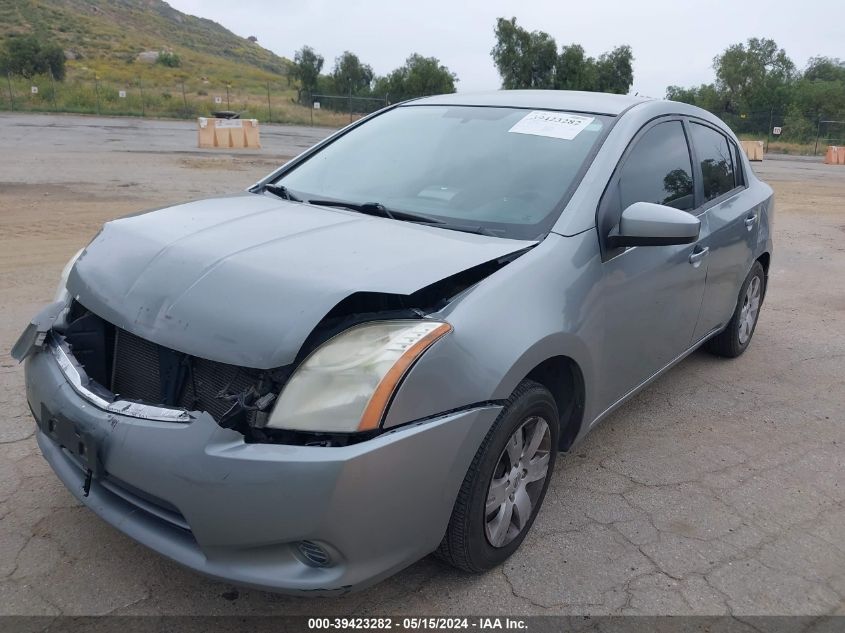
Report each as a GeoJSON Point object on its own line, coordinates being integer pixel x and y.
{"type": "Point", "coordinates": [750, 220]}
{"type": "Point", "coordinates": [698, 254]}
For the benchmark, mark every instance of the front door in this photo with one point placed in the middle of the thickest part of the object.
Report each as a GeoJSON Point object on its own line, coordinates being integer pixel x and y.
{"type": "Point", "coordinates": [651, 294]}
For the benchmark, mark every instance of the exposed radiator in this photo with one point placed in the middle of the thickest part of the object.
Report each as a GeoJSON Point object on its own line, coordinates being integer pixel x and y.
{"type": "Point", "coordinates": [139, 364]}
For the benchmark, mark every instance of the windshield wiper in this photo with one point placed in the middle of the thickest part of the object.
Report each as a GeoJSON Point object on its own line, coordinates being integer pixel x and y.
{"type": "Point", "coordinates": [478, 230]}
{"type": "Point", "coordinates": [281, 191]}
{"type": "Point", "coordinates": [376, 208]}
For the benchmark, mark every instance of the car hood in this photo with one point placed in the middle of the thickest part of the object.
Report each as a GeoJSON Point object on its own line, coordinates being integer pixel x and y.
{"type": "Point", "coordinates": [244, 279]}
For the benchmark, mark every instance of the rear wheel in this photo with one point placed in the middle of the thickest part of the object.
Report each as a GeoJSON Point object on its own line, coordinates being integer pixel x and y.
{"type": "Point", "coordinates": [734, 339]}
{"type": "Point", "coordinates": [506, 482]}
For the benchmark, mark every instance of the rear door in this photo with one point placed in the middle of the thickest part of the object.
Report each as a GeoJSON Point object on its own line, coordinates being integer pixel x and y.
{"type": "Point", "coordinates": [733, 222]}
{"type": "Point", "coordinates": [651, 295]}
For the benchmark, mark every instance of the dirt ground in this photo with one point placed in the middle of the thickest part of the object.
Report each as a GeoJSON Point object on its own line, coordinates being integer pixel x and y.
{"type": "Point", "coordinates": [719, 489]}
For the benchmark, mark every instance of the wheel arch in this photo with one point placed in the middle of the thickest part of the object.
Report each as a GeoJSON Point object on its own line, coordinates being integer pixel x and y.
{"type": "Point", "coordinates": [765, 259]}
{"type": "Point", "coordinates": [563, 377]}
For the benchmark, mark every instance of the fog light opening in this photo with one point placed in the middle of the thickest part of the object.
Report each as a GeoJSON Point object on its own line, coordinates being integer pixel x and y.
{"type": "Point", "coordinates": [313, 554]}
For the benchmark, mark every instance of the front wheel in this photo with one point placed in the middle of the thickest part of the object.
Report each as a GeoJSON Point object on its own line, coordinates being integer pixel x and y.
{"type": "Point", "coordinates": [506, 482]}
{"type": "Point", "coordinates": [734, 339]}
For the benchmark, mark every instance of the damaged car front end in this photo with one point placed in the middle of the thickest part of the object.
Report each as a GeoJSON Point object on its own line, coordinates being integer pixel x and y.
{"type": "Point", "coordinates": [290, 388]}
{"type": "Point", "coordinates": [208, 463]}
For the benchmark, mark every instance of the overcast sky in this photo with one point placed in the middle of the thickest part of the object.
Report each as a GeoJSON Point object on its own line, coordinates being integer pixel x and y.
{"type": "Point", "coordinates": [674, 41]}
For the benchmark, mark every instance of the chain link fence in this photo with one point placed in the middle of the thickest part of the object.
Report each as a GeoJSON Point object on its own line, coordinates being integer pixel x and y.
{"type": "Point", "coordinates": [790, 132]}
{"type": "Point", "coordinates": [354, 106]}
{"type": "Point", "coordinates": [183, 99]}
{"type": "Point", "coordinates": [276, 102]}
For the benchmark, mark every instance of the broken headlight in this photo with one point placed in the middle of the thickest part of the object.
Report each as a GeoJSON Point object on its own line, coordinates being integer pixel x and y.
{"type": "Point", "coordinates": [61, 290]}
{"type": "Point", "coordinates": [346, 384]}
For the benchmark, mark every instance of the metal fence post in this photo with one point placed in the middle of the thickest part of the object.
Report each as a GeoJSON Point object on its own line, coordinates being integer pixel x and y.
{"type": "Point", "coordinates": [818, 134]}
{"type": "Point", "coordinates": [97, 90]}
{"type": "Point", "coordinates": [184, 98]}
{"type": "Point", "coordinates": [53, 86]}
{"type": "Point", "coordinates": [269, 111]}
{"type": "Point", "coordinates": [769, 130]}
{"type": "Point", "coordinates": [141, 88]}
{"type": "Point", "coordinates": [11, 96]}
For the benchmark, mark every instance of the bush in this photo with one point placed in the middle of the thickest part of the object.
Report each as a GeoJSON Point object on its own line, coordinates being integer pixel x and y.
{"type": "Point", "coordinates": [171, 60]}
{"type": "Point", "coordinates": [797, 127]}
{"type": "Point", "coordinates": [27, 56]}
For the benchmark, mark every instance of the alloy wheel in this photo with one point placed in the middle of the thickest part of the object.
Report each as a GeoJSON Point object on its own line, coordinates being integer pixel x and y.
{"type": "Point", "coordinates": [517, 481]}
{"type": "Point", "coordinates": [750, 309]}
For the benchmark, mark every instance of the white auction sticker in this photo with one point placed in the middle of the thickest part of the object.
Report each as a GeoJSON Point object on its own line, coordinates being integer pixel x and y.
{"type": "Point", "coordinates": [560, 125]}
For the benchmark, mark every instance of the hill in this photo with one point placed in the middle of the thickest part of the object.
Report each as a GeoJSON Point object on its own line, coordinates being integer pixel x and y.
{"type": "Point", "coordinates": [111, 37]}
{"type": "Point", "coordinates": [112, 48]}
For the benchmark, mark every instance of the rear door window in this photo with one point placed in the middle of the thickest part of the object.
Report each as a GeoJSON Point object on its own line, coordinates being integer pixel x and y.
{"type": "Point", "coordinates": [715, 159]}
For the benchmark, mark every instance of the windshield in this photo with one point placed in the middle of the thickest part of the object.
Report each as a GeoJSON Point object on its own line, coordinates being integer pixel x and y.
{"type": "Point", "coordinates": [501, 171]}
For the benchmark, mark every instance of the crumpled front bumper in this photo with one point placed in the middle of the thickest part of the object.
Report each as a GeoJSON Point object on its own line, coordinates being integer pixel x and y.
{"type": "Point", "coordinates": [200, 495]}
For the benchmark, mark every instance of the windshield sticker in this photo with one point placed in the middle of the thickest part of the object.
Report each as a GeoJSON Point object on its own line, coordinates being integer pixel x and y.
{"type": "Point", "coordinates": [552, 124]}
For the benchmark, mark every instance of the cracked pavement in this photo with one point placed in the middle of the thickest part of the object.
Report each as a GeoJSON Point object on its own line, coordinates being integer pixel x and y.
{"type": "Point", "coordinates": [719, 489]}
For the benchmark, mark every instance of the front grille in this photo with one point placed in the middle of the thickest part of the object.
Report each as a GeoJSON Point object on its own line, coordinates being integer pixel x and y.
{"type": "Point", "coordinates": [139, 365]}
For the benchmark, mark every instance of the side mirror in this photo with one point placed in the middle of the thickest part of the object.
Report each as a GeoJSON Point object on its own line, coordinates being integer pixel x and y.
{"type": "Point", "coordinates": [649, 224]}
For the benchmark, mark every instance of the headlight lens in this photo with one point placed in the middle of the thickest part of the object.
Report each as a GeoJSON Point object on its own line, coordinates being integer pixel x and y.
{"type": "Point", "coordinates": [61, 290]}
{"type": "Point", "coordinates": [346, 383]}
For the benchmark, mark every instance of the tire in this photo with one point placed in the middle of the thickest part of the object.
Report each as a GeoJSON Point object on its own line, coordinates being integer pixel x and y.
{"type": "Point", "coordinates": [735, 338]}
{"type": "Point", "coordinates": [467, 544]}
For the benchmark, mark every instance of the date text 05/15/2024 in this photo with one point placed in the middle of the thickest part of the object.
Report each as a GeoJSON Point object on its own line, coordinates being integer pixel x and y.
{"type": "Point", "coordinates": [419, 623]}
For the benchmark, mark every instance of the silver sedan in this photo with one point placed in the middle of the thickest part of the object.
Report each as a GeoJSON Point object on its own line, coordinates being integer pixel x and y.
{"type": "Point", "coordinates": [378, 351]}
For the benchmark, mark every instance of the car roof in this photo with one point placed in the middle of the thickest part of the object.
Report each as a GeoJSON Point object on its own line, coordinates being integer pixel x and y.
{"type": "Point", "coordinates": [569, 100]}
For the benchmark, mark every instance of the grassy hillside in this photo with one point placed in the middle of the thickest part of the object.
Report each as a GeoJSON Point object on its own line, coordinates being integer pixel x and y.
{"type": "Point", "coordinates": [103, 40]}
{"type": "Point", "coordinates": [108, 35]}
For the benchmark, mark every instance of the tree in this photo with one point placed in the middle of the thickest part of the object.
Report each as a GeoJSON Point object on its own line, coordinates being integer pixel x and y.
{"type": "Point", "coordinates": [574, 70]}
{"type": "Point", "coordinates": [755, 76]}
{"type": "Point", "coordinates": [26, 55]}
{"type": "Point", "coordinates": [819, 94]}
{"type": "Point", "coordinates": [307, 64]}
{"type": "Point", "coordinates": [530, 60]}
{"type": "Point", "coordinates": [705, 96]}
{"type": "Point", "coordinates": [524, 59]}
{"type": "Point", "coordinates": [824, 69]}
{"type": "Point", "coordinates": [796, 126]}
{"type": "Point", "coordinates": [684, 95]}
{"type": "Point", "coordinates": [350, 76]}
{"type": "Point", "coordinates": [427, 76]}
{"type": "Point", "coordinates": [615, 70]}
{"type": "Point", "coordinates": [758, 81]}
{"type": "Point", "coordinates": [419, 77]}
{"type": "Point", "coordinates": [54, 59]}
